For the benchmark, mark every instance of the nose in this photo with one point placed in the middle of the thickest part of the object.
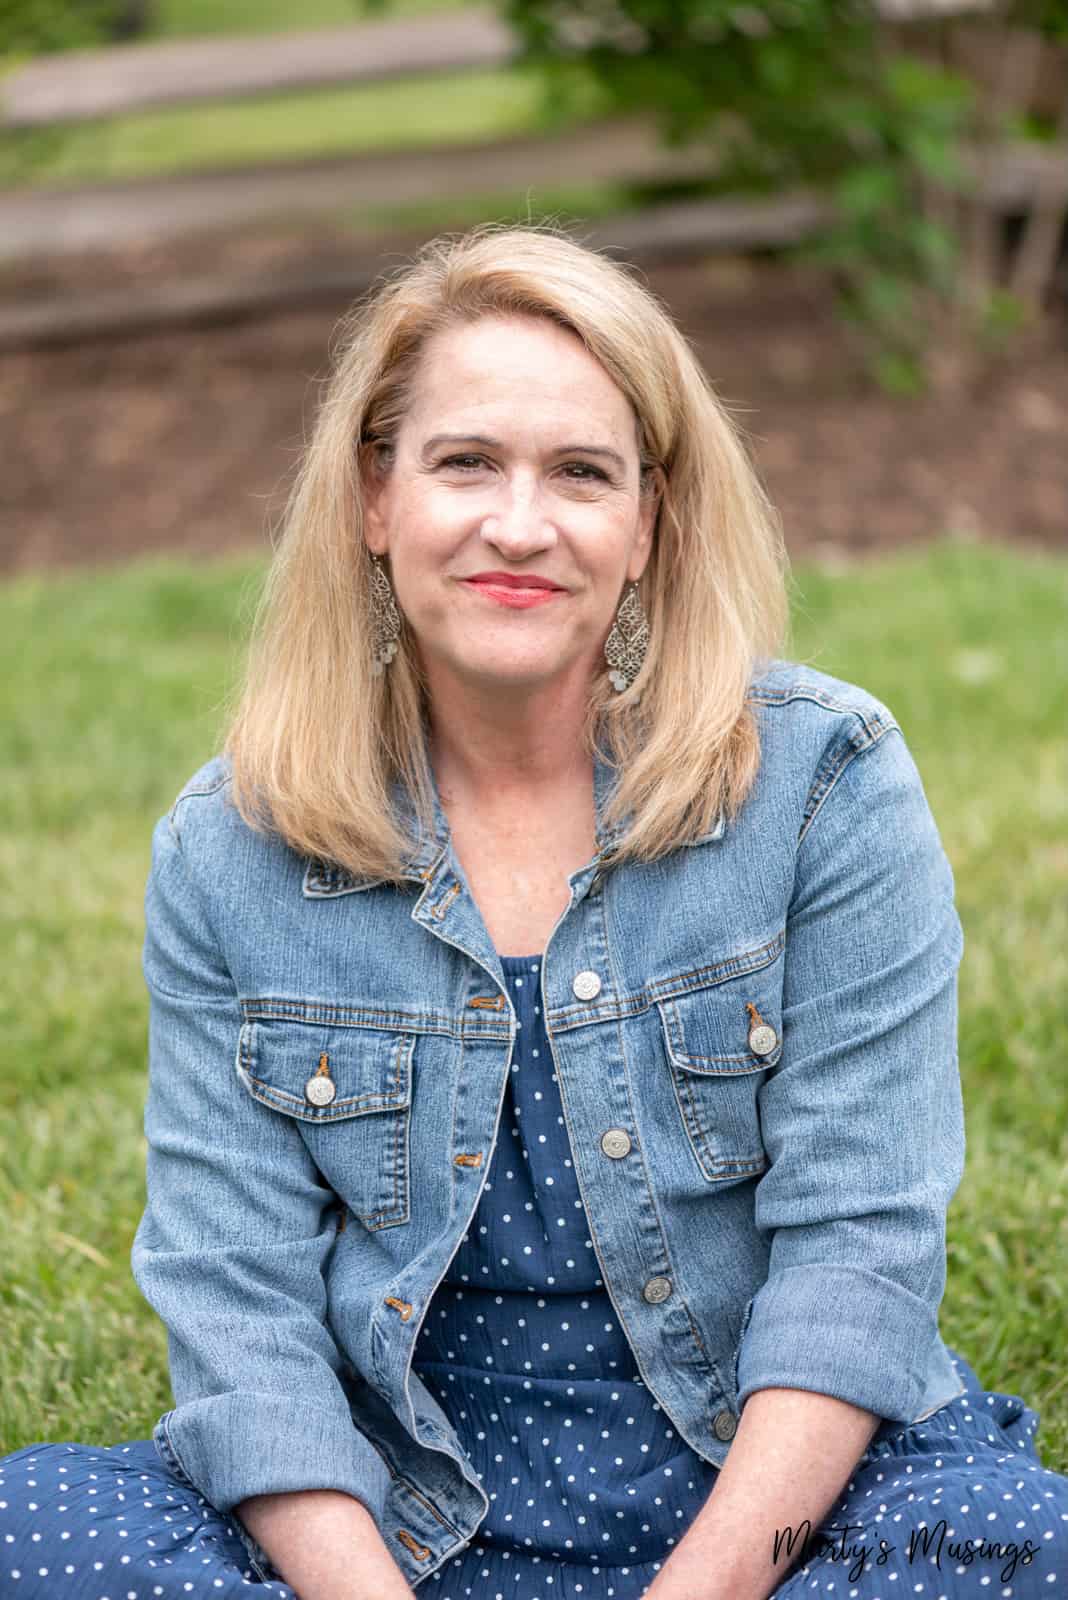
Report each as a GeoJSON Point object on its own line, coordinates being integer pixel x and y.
{"type": "Point", "coordinates": [518, 524]}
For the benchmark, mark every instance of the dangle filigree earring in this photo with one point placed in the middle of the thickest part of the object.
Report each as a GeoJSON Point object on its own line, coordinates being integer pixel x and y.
{"type": "Point", "coordinates": [624, 648]}
{"type": "Point", "coordinates": [628, 640]}
{"type": "Point", "coordinates": [385, 618]}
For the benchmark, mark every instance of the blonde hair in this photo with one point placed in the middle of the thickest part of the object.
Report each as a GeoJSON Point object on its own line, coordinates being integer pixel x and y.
{"type": "Point", "coordinates": [316, 740]}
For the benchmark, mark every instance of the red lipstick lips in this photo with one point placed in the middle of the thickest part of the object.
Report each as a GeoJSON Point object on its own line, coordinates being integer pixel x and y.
{"type": "Point", "coordinates": [512, 589]}
{"type": "Point", "coordinates": [513, 580]}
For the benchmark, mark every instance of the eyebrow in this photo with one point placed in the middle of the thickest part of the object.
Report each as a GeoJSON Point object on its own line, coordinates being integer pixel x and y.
{"type": "Point", "coordinates": [494, 444]}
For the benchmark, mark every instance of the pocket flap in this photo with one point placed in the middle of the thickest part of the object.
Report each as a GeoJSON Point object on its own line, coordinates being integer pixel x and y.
{"type": "Point", "coordinates": [728, 1027]}
{"type": "Point", "coordinates": [368, 1069]}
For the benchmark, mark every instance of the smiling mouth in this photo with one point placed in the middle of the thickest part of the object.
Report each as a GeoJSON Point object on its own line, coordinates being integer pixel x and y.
{"type": "Point", "coordinates": [506, 580]}
{"type": "Point", "coordinates": [511, 594]}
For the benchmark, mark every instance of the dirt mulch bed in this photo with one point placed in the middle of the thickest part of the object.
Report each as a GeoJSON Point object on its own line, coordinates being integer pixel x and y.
{"type": "Point", "coordinates": [187, 441]}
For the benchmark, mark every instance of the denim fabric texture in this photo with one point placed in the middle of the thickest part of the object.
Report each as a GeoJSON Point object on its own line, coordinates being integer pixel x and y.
{"type": "Point", "coordinates": [768, 1014]}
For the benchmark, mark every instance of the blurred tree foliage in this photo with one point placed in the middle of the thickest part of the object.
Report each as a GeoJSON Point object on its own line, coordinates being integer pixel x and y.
{"type": "Point", "coordinates": [825, 95]}
{"type": "Point", "coordinates": [38, 27]}
{"type": "Point", "coordinates": [31, 28]}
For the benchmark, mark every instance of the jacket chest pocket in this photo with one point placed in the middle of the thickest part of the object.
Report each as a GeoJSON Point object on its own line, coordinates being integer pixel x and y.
{"type": "Point", "coordinates": [350, 1090]}
{"type": "Point", "coordinates": [721, 1041]}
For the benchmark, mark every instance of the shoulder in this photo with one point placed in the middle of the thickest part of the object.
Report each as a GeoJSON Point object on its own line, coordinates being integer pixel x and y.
{"type": "Point", "coordinates": [206, 840]}
{"type": "Point", "coordinates": [205, 826]}
{"type": "Point", "coordinates": [793, 697]}
{"type": "Point", "coordinates": [192, 829]}
{"type": "Point", "coordinates": [206, 783]}
{"type": "Point", "coordinates": [202, 807]}
{"type": "Point", "coordinates": [812, 726]}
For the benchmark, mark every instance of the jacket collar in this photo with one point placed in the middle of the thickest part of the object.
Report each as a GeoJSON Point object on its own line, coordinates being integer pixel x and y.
{"type": "Point", "coordinates": [325, 878]}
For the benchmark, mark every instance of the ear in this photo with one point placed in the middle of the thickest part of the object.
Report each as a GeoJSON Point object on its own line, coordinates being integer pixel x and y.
{"type": "Point", "coordinates": [372, 492]}
{"type": "Point", "coordinates": [648, 510]}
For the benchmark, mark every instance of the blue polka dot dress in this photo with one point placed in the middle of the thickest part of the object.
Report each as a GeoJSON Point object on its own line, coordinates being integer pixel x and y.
{"type": "Point", "coordinates": [589, 1485]}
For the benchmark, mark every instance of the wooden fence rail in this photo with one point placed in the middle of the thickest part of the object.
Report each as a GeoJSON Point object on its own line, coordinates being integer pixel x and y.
{"type": "Point", "coordinates": [80, 85]}
{"type": "Point", "coordinates": [663, 233]}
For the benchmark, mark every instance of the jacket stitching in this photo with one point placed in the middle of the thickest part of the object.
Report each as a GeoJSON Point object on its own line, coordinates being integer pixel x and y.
{"type": "Point", "coordinates": [175, 994]}
{"type": "Point", "coordinates": [675, 1036]}
{"type": "Point", "coordinates": [187, 872]}
{"type": "Point", "coordinates": [873, 721]}
{"type": "Point", "coordinates": [460, 1076]}
{"type": "Point", "coordinates": [338, 1111]}
{"type": "Point", "coordinates": [401, 1131]}
{"type": "Point", "coordinates": [398, 1209]}
{"type": "Point", "coordinates": [174, 1462]}
{"type": "Point", "coordinates": [712, 1166]}
{"type": "Point", "coordinates": [311, 1011]}
{"type": "Point", "coordinates": [663, 1238]}
{"type": "Point", "coordinates": [198, 794]}
{"type": "Point", "coordinates": [269, 1008]}
{"type": "Point", "coordinates": [434, 1512]}
{"type": "Point", "coordinates": [825, 782]}
{"type": "Point", "coordinates": [651, 1193]}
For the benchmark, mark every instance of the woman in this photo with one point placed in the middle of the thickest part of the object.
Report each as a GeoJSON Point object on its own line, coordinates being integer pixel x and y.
{"type": "Point", "coordinates": [553, 1099]}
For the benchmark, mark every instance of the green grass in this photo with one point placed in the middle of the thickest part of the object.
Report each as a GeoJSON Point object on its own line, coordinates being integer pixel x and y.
{"type": "Point", "coordinates": [309, 124]}
{"type": "Point", "coordinates": [185, 19]}
{"type": "Point", "coordinates": [524, 204]}
{"type": "Point", "coordinates": [110, 695]}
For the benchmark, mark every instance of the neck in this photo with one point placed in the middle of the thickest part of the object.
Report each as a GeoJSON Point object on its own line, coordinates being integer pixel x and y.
{"type": "Point", "coordinates": [493, 750]}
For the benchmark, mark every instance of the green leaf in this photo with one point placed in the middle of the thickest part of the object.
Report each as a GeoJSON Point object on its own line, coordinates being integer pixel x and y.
{"type": "Point", "coordinates": [899, 374]}
{"type": "Point", "coordinates": [936, 155]}
{"type": "Point", "coordinates": [868, 188]}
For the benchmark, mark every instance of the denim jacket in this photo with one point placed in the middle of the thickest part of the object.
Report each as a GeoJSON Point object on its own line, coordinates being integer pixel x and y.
{"type": "Point", "coordinates": [755, 1040]}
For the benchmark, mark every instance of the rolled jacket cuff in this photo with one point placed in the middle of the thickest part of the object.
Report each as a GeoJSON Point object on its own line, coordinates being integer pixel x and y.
{"type": "Point", "coordinates": [842, 1331]}
{"type": "Point", "coordinates": [229, 1447]}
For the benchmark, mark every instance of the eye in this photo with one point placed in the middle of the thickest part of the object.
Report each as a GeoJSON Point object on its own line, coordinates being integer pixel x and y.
{"type": "Point", "coordinates": [577, 471]}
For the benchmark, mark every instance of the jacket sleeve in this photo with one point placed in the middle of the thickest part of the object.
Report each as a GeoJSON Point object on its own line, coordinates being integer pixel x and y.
{"type": "Point", "coordinates": [231, 1247]}
{"type": "Point", "coordinates": [862, 1119]}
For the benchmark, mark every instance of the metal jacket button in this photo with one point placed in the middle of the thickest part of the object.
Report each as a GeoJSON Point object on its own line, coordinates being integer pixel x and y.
{"type": "Point", "coordinates": [586, 985]}
{"type": "Point", "coordinates": [656, 1290]}
{"type": "Point", "coordinates": [321, 1089]}
{"type": "Point", "coordinates": [616, 1143]}
{"type": "Point", "coordinates": [762, 1039]}
{"type": "Point", "coordinates": [723, 1425]}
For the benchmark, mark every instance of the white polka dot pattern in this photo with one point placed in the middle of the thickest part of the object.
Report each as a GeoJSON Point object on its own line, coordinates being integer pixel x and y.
{"type": "Point", "coordinates": [523, 1350]}
{"type": "Point", "coordinates": [95, 1522]}
{"type": "Point", "coordinates": [589, 1486]}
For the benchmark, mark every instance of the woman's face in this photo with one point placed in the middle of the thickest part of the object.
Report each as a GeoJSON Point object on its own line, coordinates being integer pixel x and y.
{"type": "Point", "coordinates": [518, 455]}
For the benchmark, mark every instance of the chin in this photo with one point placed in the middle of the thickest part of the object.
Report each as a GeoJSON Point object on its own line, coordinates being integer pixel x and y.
{"type": "Point", "coordinates": [508, 674]}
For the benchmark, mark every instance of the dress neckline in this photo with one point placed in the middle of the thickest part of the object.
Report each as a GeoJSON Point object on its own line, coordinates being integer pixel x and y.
{"type": "Point", "coordinates": [520, 961]}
